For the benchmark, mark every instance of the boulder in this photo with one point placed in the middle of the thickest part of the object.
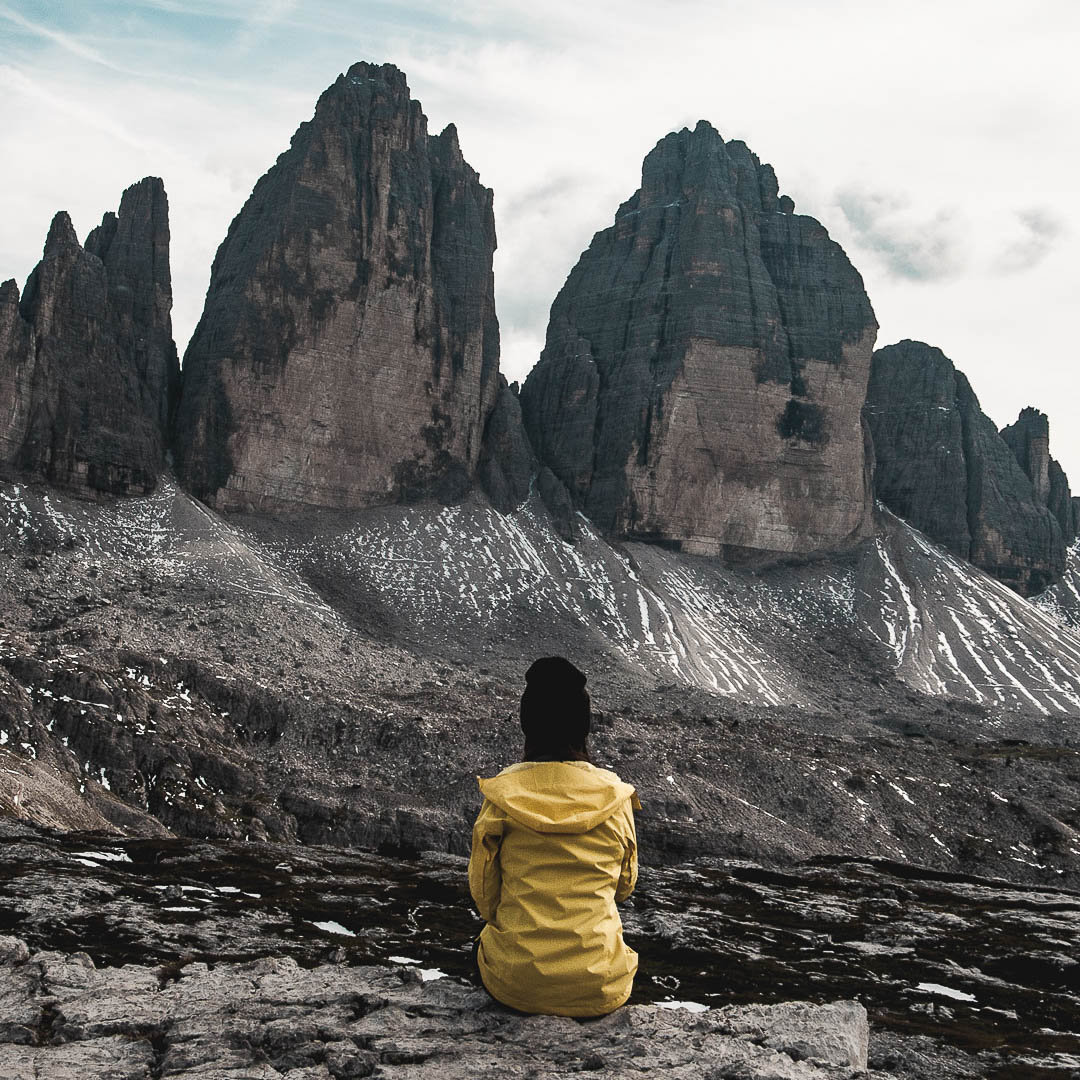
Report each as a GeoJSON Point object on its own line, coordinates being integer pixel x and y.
{"type": "Point", "coordinates": [347, 354]}
{"type": "Point", "coordinates": [706, 365]}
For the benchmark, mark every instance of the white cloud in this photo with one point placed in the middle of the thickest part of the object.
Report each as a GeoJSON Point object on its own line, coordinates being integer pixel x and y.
{"type": "Point", "coordinates": [908, 245]}
{"type": "Point", "coordinates": [1039, 231]}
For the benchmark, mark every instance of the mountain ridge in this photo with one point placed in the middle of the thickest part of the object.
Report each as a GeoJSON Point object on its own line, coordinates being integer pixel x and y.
{"type": "Point", "coordinates": [370, 236]}
{"type": "Point", "coordinates": [314, 672]}
{"type": "Point", "coordinates": [88, 369]}
{"type": "Point", "coordinates": [996, 499]}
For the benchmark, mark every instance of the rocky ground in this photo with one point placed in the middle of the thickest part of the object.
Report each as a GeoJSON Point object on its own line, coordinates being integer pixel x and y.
{"type": "Point", "coordinates": [162, 670]}
{"type": "Point", "coordinates": [213, 700]}
{"type": "Point", "coordinates": [138, 942]}
{"type": "Point", "coordinates": [63, 1018]}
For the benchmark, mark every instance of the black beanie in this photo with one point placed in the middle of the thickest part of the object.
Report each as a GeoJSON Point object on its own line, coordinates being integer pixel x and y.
{"type": "Point", "coordinates": [555, 707]}
{"type": "Point", "coordinates": [554, 674]}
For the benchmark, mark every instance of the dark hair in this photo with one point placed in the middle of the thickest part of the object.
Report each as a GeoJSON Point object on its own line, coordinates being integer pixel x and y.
{"type": "Point", "coordinates": [555, 711]}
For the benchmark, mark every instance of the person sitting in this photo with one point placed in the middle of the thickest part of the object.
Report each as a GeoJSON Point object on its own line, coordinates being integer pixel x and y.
{"type": "Point", "coordinates": [553, 850]}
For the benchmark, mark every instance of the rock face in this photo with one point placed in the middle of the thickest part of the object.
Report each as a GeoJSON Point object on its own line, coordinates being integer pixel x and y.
{"type": "Point", "coordinates": [507, 462]}
{"type": "Point", "coordinates": [88, 368]}
{"type": "Point", "coordinates": [1029, 440]}
{"type": "Point", "coordinates": [941, 465]}
{"type": "Point", "coordinates": [920, 470]}
{"type": "Point", "coordinates": [508, 469]}
{"type": "Point", "coordinates": [348, 351]}
{"type": "Point", "coordinates": [706, 364]}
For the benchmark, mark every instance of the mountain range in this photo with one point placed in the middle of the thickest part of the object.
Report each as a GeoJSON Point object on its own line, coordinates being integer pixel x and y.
{"type": "Point", "coordinates": [710, 481]}
{"type": "Point", "coordinates": [238, 594]}
{"type": "Point", "coordinates": [286, 593]}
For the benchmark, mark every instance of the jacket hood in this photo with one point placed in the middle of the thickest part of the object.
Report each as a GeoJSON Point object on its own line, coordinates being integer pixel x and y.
{"type": "Point", "coordinates": [558, 796]}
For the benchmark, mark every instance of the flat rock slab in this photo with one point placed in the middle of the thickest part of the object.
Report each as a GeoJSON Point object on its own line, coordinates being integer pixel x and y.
{"type": "Point", "coordinates": [62, 1018]}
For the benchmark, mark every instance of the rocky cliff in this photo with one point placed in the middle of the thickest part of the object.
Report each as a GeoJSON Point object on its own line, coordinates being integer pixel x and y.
{"type": "Point", "coordinates": [88, 368]}
{"type": "Point", "coordinates": [348, 351]}
{"type": "Point", "coordinates": [706, 363]}
{"type": "Point", "coordinates": [1029, 440]}
{"type": "Point", "coordinates": [507, 463]}
{"type": "Point", "coordinates": [918, 431]}
{"type": "Point", "coordinates": [941, 465]}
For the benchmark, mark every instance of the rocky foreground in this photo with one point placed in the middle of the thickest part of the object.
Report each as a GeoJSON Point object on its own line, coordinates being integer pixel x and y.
{"type": "Point", "coordinates": [61, 1017]}
{"type": "Point", "coordinates": [166, 957]}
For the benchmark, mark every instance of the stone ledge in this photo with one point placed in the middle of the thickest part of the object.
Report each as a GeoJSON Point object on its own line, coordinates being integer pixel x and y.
{"type": "Point", "coordinates": [63, 1018]}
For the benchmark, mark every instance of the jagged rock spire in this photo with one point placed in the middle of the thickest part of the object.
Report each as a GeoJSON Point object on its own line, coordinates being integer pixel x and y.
{"type": "Point", "coordinates": [88, 368]}
{"type": "Point", "coordinates": [1029, 440]}
{"type": "Point", "coordinates": [348, 351]}
{"type": "Point", "coordinates": [942, 466]}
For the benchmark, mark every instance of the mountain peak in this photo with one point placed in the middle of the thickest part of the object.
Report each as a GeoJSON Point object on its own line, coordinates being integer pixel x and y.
{"type": "Point", "coordinates": [366, 367]}
{"type": "Point", "coordinates": [61, 234]}
{"type": "Point", "coordinates": [386, 74]}
{"type": "Point", "coordinates": [943, 466]}
{"type": "Point", "coordinates": [93, 326]}
{"type": "Point", "coordinates": [705, 360]}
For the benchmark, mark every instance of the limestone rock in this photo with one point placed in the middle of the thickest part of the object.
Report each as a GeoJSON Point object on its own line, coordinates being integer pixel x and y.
{"type": "Point", "coordinates": [270, 1017]}
{"type": "Point", "coordinates": [1029, 440]}
{"type": "Point", "coordinates": [706, 364]}
{"type": "Point", "coordinates": [942, 466]}
{"type": "Point", "coordinates": [797, 1029]}
{"type": "Point", "coordinates": [1061, 503]}
{"type": "Point", "coordinates": [348, 351]}
{"type": "Point", "coordinates": [508, 467]}
{"type": "Point", "coordinates": [88, 368]}
{"type": "Point", "coordinates": [507, 462]}
{"type": "Point", "coordinates": [1062, 599]}
{"type": "Point", "coordinates": [16, 371]}
{"type": "Point", "coordinates": [12, 950]}
{"type": "Point", "coordinates": [920, 470]}
{"type": "Point", "coordinates": [559, 505]}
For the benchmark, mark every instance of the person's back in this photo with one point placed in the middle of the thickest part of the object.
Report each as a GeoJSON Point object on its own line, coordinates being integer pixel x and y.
{"type": "Point", "coordinates": [553, 850]}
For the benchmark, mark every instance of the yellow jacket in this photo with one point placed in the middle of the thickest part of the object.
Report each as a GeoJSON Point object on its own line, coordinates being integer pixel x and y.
{"type": "Point", "coordinates": [553, 849]}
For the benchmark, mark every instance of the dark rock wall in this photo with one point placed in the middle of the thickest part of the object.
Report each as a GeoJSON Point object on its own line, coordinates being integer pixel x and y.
{"type": "Point", "coordinates": [507, 463]}
{"type": "Point", "coordinates": [348, 351]}
{"type": "Point", "coordinates": [918, 432]}
{"type": "Point", "coordinates": [706, 364]}
{"type": "Point", "coordinates": [16, 371]}
{"type": "Point", "coordinates": [1014, 537]}
{"type": "Point", "coordinates": [942, 465]}
{"type": "Point", "coordinates": [88, 368]}
{"type": "Point", "coordinates": [1061, 502]}
{"type": "Point", "coordinates": [1029, 440]}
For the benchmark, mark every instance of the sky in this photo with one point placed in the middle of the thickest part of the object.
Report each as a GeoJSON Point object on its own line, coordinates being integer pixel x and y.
{"type": "Point", "coordinates": [937, 140]}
